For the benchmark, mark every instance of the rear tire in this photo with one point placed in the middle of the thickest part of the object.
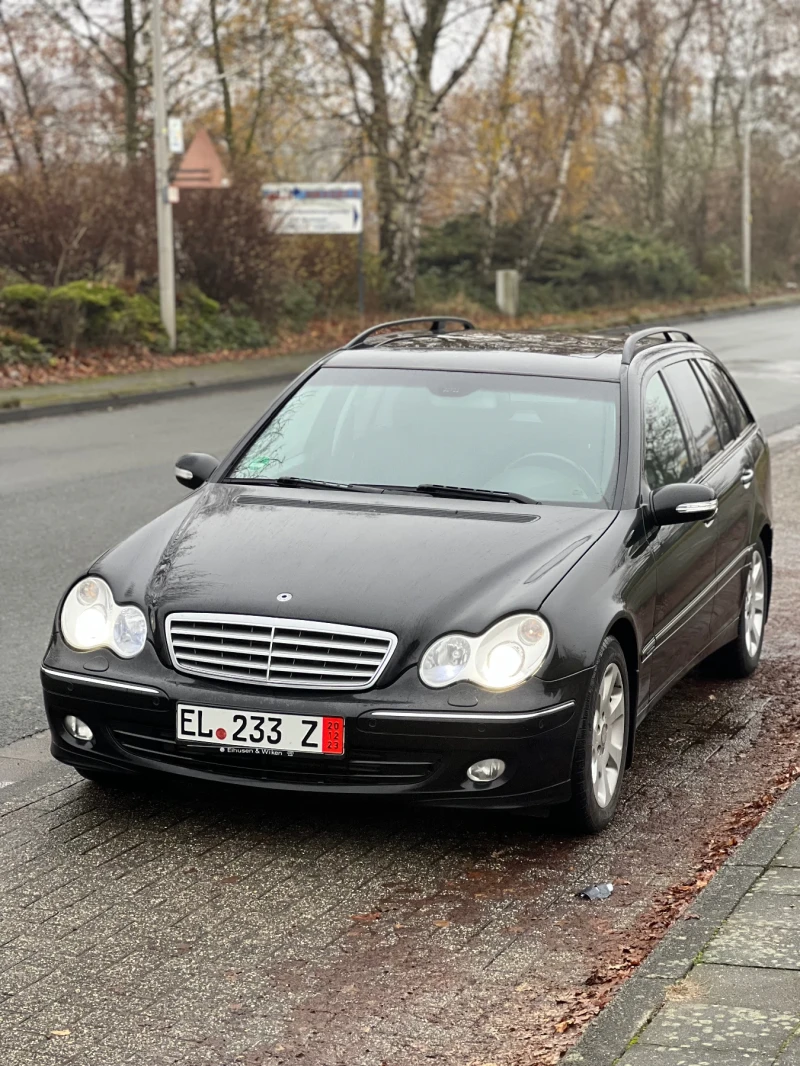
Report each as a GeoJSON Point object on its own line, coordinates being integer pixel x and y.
{"type": "Point", "coordinates": [598, 766]}
{"type": "Point", "coordinates": [741, 657]}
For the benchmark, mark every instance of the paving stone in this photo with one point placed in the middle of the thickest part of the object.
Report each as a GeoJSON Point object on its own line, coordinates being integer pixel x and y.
{"type": "Point", "coordinates": [721, 1028]}
{"type": "Point", "coordinates": [762, 989]}
{"type": "Point", "coordinates": [790, 1056]}
{"type": "Point", "coordinates": [789, 854]}
{"type": "Point", "coordinates": [763, 931]}
{"type": "Point", "coordinates": [785, 881]}
{"type": "Point", "coordinates": [642, 1055]}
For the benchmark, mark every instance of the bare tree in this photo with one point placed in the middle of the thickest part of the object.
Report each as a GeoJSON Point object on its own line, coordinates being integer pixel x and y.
{"type": "Point", "coordinates": [389, 54]}
{"type": "Point", "coordinates": [498, 147]}
{"type": "Point", "coordinates": [30, 130]}
{"type": "Point", "coordinates": [585, 32]}
{"type": "Point", "coordinates": [112, 40]}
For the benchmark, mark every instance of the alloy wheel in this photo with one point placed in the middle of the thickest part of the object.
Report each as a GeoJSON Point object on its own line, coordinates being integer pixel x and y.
{"type": "Point", "coordinates": [754, 605]}
{"type": "Point", "coordinates": [608, 735]}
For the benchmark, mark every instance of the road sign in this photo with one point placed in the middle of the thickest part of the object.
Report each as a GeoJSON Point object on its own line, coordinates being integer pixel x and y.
{"type": "Point", "coordinates": [316, 208]}
{"type": "Point", "coordinates": [175, 135]}
{"type": "Point", "coordinates": [201, 167]}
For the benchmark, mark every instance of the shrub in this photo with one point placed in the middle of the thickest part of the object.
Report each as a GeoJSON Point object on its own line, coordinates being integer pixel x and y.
{"type": "Point", "coordinates": [136, 321]}
{"type": "Point", "coordinates": [579, 265]}
{"type": "Point", "coordinates": [82, 310]}
{"type": "Point", "coordinates": [22, 305]}
{"type": "Point", "coordinates": [78, 221]}
{"type": "Point", "coordinates": [225, 245]}
{"type": "Point", "coordinates": [299, 301]}
{"type": "Point", "coordinates": [17, 347]}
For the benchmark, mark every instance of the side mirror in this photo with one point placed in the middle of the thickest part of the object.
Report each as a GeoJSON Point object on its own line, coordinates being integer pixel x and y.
{"type": "Point", "coordinates": [672, 504]}
{"type": "Point", "coordinates": [194, 469]}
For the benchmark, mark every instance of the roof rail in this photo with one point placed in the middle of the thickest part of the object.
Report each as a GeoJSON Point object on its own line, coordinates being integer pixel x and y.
{"type": "Point", "coordinates": [436, 322]}
{"type": "Point", "coordinates": [630, 347]}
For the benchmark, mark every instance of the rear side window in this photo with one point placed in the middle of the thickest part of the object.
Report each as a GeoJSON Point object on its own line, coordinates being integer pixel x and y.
{"type": "Point", "coordinates": [686, 389]}
{"type": "Point", "coordinates": [739, 417]}
{"type": "Point", "coordinates": [721, 421]}
{"type": "Point", "coordinates": [666, 458]}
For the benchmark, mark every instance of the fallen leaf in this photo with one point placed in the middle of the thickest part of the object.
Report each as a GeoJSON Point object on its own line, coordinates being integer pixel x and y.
{"type": "Point", "coordinates": [373, 916]}
{"type": "Point", "coordinates": [234, 879]}
{"type": "Point", "coordinates": [566, 1024]}
{"type": "Point", "coordinates": [59, 1032]}
{"type": "Point", "coordinates": [443, 923]}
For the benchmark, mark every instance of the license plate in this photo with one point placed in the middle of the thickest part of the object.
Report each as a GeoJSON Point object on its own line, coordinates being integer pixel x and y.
{"type": "Point", "coordinates": [305, 734]}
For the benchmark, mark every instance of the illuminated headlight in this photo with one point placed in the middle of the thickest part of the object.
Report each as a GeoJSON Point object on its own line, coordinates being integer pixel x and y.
{"type": "Point", "coordinates": [90, 619]}
{"type": "Point", "coordinates": [504, 656]}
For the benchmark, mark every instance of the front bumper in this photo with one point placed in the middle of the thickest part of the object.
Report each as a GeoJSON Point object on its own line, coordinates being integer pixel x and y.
{"type": "Point", "coordinates": [403, 740]}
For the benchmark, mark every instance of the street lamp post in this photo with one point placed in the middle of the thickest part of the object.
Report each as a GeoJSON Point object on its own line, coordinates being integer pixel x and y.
{"type": "Point", "coordinates": [747, 123]}
{"type": "Point", "coordinates": [166, 247]}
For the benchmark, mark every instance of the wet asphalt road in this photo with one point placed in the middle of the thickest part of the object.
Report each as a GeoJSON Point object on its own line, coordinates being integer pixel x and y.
{"type": "Point", "coordinates": [71, 486]}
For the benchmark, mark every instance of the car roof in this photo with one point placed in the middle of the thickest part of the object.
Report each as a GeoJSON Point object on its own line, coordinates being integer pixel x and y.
{"type": "Point", "coordinates": [583, 355]}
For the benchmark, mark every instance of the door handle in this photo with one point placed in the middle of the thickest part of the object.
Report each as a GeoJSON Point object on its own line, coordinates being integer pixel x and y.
{"type": "Point", "coordinates": [747, 477]}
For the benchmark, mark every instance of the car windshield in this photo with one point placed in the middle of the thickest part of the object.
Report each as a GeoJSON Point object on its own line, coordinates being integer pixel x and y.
{"type": "Point", "coordinates": [552, 440]}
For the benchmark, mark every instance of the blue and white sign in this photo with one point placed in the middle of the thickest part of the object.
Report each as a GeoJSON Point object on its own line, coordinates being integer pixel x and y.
{"type": "Point", "coordinates": [316, 208]}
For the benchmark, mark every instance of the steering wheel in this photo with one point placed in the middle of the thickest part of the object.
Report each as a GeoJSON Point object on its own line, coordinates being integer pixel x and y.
{"type": "Point", "coordinates": [551, 459]}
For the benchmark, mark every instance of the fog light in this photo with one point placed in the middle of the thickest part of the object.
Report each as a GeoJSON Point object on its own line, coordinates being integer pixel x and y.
{"type": "Point", "coordinates": [77, 728]}
{"type": "Point", "coordinates": [486, 770]}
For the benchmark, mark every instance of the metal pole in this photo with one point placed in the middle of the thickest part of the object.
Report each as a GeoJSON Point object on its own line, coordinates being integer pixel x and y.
{"type": "Point", "coordinates": [361, 272]}
{"type": "Point", "coordinates": [166, 246]}
{"type": "Point", "coordinates": [747, 122]}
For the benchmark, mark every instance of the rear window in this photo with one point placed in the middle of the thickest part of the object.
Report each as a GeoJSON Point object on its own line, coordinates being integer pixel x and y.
{"type": "Point", "coordinates": [734, 407]}
{"type": "Point", "coordinates": [686, 389]}
{"type": "Point", "coordinates": [554, 440]}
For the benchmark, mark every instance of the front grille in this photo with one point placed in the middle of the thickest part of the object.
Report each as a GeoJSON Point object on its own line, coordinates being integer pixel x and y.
{"type": "Point", "coordinates": [356, 768]}
{"type": "Point", "coordinates": [278, 651]}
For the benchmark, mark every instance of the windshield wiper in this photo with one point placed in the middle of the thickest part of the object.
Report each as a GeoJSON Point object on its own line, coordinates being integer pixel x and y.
{"type": "Point", "coordinates": [456, 492]}
{"type": "Point", "coordinates": [288, 482]}
{"type": "Point", "coordinates": [453, 492]}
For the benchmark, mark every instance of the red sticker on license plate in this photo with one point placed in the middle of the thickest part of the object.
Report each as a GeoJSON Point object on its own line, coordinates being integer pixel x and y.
{"type": "Point", "coordinates": [333, 736]}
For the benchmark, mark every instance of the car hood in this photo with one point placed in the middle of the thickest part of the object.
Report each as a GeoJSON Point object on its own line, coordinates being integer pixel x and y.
{"type": "Point", "coordinates": [413, 565]}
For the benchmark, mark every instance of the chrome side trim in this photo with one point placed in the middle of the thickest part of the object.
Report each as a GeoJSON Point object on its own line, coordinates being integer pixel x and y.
{"type": "Point", "coordinates": [102, 681]}
{"type": "Point", "coordinates": [455, 716]}
{"type": "Point", "coordinates": [698, 507]}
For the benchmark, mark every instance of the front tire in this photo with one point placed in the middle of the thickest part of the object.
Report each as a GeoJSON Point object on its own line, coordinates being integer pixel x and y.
{"type": "Point", "coordinates": [742, 655]}
{"type": "Point", "coordinates": [598, 766]}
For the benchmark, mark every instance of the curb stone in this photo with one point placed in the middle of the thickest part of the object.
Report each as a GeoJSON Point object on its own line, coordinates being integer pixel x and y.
{"type": "Point", "coordinates": [619, 1024]}
{"type": "Point", "coordinates": [124, 390]}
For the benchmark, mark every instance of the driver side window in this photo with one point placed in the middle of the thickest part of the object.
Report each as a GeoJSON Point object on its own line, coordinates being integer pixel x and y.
{"type": "Point", "coordinates": [666, 456]}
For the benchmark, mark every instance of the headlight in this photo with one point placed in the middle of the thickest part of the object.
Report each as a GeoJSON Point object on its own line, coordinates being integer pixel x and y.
{"type": "Point", "coordinates": [504, 656]}
{"type": "Point", "coordinates": [90, 619]}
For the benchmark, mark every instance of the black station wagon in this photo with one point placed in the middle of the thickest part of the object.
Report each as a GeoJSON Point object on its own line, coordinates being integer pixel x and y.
{"type": "Point", "coordinates": [450, 565]}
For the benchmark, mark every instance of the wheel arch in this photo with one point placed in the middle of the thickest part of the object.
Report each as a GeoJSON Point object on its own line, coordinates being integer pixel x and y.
{"type": "Point", "coordinates": [623, 630]}
{"type": "Point", "coordinates": [766, 539]}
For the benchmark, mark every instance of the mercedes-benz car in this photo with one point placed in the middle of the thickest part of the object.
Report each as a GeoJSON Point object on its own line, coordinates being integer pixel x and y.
{"type": "Point", "coordinates": [447, 564]}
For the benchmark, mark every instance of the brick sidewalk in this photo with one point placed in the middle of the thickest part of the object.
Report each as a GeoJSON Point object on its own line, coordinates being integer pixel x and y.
{"type": "Point", "coordinates": [737, 1002]}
